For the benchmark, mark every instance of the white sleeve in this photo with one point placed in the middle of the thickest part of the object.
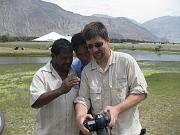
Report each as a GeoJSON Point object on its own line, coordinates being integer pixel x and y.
{"type": "Point", "coordinates": [136, 80]}
{"type": "Point", "coordinates": [37, 87]}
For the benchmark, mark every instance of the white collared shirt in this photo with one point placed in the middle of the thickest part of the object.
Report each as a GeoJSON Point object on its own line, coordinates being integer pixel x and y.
{"type": "Point", "coordinates": [121, 77]}
{"type": "Point", "coordinates": [57, 117]}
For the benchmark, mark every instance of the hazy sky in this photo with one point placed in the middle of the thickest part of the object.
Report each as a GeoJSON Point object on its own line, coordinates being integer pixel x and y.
{"type": "Point", "coordinates": [139, 10]}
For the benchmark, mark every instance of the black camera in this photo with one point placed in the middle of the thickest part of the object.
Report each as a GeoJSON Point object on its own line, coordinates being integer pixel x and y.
{"type": "Point", "coordinates": [98, 124]}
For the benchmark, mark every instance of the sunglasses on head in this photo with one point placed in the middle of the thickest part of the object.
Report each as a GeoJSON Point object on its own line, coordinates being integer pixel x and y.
{"type": "Point", "coordinates": [97, 45]}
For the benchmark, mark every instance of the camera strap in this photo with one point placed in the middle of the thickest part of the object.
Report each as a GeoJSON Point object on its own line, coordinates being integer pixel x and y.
{"type": "Point", "coordinates": [110, 133]}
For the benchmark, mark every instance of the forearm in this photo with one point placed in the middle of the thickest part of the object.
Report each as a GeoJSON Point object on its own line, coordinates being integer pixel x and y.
{"type": "Point", "coordinates": [81, 116]}
{"type": "Point", "coordinates": [131, 101]}
{"type": "Point", "coordinates": [80, 110]}
{"type": "Point", "coordinates": [46, 98]}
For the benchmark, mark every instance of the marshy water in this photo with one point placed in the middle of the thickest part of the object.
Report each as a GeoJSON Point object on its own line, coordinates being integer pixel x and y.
{"type": "Point", "coordinates": [23, 60]}
{"type": "Point", "coordinates": [153, 56]}
{"type": "Point", "coordinates": [138, 55]}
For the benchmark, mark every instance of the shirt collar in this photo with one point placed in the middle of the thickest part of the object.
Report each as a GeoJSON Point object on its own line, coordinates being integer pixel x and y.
{"type": "Point", "coordinates": [49, 68]}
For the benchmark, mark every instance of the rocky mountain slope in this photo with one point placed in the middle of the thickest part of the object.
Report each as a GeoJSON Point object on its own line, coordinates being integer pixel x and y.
{"type": "Point", "coordinates": [36, 18]}
{"type": "Point", "coordinates": [167, 27]}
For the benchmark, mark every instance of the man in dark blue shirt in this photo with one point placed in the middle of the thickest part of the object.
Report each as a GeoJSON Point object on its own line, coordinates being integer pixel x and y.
{"type": "Point", "coordinates": [82, 54]}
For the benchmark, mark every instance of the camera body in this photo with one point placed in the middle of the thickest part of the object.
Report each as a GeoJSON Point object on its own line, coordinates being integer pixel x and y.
{"type": "Point", "coordinates": [98, 124]}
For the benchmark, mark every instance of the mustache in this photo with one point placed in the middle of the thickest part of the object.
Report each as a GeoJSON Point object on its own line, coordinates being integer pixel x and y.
{"type": "Point", "coordinates": [67, 64]}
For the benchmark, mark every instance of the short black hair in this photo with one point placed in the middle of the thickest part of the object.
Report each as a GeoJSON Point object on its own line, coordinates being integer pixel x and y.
{"type": "Point", "coordinates": [60, 46]}
{"type": "Point", "coordinates": [94, 29]}
{"type": "Point", "coordinates": [77, 41]}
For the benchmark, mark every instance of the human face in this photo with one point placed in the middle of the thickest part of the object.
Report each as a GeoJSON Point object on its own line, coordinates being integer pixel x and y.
{"type": "Point", "coordinates": [62, 62]}
{"type": "Point", "coordinates": [98, 47]}
{"type": "Point", "coordinates": [83, 54]}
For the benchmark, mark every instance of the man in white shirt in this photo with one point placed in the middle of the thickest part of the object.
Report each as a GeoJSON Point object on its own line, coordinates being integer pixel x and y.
{"type": "Point", "coordinates": [112, 82]}
{"type": "Point", "coordinates": [53, 90]}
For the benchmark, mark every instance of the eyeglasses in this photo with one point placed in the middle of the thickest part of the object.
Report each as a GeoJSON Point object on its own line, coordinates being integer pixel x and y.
{"type": "Point", "coordinates": [97, 45]}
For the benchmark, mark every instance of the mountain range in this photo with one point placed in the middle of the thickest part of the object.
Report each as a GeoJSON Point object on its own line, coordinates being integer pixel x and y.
{"type": "Point", "coordinates": [166, 27]}
{"type": "Point", "coordinates": [37, 18]}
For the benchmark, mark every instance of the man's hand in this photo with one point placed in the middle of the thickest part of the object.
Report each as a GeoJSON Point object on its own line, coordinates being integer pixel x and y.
{"type": "Point", "coordinates": [80, 120]}
{"type": "Point", "coordinates": [68, 83]}
{"type": "Point", "coordinates": [130, 101]}
{"type": "Point", "coordinates": [113, 111]}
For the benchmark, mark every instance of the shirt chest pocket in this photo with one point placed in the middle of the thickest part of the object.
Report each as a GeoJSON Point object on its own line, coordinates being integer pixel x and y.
{"type": "Point", "coordinates": [96, 98]}
{"type": "Point", "coordinates": [119, 91]}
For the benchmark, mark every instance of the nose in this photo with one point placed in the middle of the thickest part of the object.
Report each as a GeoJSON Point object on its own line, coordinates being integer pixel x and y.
{"type": "Point", "coordinates": [94, 49]}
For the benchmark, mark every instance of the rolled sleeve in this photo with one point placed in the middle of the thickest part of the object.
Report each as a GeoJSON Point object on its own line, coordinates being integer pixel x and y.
{"type": "Point", "coordinates": [83, 101]}
{"type": "Point", "coordinates": [137, 82]}
{"type": "Point", "coordinates": [138, 90]}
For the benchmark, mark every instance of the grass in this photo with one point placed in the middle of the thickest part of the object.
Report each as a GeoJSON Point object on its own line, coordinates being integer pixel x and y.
{"type": "Point", "coordinates": [159, 113]}
{"type": "Point", "coordinates": [25, 49]}
{"type": "Point", "coordinates": [33, 45]}
{"type": "Point", "coordinates": [14, 102]}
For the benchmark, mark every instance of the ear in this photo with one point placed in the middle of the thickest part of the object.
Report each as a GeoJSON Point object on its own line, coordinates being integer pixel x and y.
{"type": "Point", "coordinates": [53, 56]}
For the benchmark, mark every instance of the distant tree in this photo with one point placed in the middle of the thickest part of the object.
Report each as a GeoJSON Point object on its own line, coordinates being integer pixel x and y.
{"type": "Point", "coordinates": [133, 41]}
{"type": "Point", "coordinates": [4, 38]}
{"type": "Point", "coordinates": [8, 38]}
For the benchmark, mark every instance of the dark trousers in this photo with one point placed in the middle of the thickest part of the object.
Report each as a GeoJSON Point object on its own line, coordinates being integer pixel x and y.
{"type": "Point", "coordinates": [143, 132]}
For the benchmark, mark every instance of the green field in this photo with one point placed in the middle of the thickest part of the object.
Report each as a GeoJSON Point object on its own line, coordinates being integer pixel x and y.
{"type": "Point", "coordinates": [159, 113]}
{"type": "Point", "coordinates": [14, 102]}
{"type": "Point", "coordinates": [25, 48]}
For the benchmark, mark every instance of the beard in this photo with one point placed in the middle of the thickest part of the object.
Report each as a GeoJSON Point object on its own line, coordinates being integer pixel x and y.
{"type": "Point", "coordinates": [98, 55]}
{"type": "Point", "coordinates": [62, 67]}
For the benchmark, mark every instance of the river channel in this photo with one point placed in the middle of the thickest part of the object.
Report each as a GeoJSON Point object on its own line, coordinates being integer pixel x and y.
{"type": "Point", "coordinates": [138, 55]}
